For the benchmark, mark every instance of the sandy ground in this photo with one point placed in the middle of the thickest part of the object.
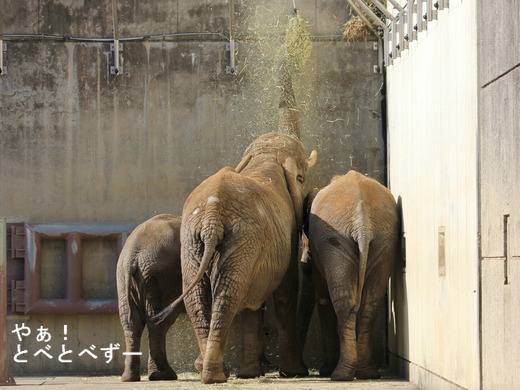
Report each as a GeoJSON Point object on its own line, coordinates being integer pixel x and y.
{"type": "Point", "coordinates": [191, 381]}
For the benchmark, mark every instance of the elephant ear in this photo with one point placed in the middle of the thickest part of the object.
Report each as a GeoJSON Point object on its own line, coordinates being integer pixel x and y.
{"type": "Point", "coordinates": [290, 169]}
{"type": "Point", "coordinates": [245, 160]}
{"type": "Point", "coordinates": [307, 204]}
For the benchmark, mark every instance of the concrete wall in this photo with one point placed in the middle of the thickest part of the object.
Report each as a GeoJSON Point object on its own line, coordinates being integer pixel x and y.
{"type": "Point", "coordinates": [80, 145]}
{"type": "Point", "coordinates": [499, 94]}
{"type": "Point", "coordinates": [433, 161]}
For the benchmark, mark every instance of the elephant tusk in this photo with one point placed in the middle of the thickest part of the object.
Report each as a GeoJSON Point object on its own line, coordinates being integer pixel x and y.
{"type": "Point", "coordinates": [312, 159]}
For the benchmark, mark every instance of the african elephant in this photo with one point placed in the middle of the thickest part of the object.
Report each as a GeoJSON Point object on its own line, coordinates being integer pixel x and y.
{"type": "Point", "coordinates": [352, 227]}
{"type": "Point", "coordinates": [240, 239]}
{"type": "Point", "coordinates": [149, 278]}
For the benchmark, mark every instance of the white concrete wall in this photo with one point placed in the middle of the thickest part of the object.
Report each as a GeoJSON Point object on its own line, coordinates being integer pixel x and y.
{"type": "Point", "coordinates": [432, 123]}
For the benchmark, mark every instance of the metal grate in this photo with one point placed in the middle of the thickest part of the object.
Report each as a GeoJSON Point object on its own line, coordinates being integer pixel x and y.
{"type": "Point", "coordinates": [401, 23]}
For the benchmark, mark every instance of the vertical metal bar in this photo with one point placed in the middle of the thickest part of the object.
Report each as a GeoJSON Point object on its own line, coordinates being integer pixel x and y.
{"type": "Point", "coordinates": [429, 10]}
{"type": "Point", "coordinates": [116, 37]}
{"type": "Point", "coordinates": [419, 16]}
{"type": "Point", "coordinates": [1, 54]}
{"type": "Point", "coordinates": [232, 36]}
{"type": "Point", "coordinates": [401, 31]}
{"type": "Point", "coordinates": [506, 252]}
{"type": "Point", "coordinates": [386, 43]}
{"type": "Point", "coordinates": [395, 51]}
{"type": "Point", "coordinates": [5, 376]}
{"type": "Point", "coordinates": [411, 31]}
{"type": "Point", "coordinates": [1, 47]}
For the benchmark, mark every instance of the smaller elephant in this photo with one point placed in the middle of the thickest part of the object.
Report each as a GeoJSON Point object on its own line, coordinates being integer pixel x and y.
{"type": "Point", "coordinates": [352, 228]}
{"type": "Point", "coordinates": [149, 278]}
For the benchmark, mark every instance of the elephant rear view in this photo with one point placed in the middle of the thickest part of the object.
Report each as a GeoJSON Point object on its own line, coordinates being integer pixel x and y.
{"type": "Point", "coordinates": [353, 239]}
{"type": "Point", "coordinates": [240, 232]}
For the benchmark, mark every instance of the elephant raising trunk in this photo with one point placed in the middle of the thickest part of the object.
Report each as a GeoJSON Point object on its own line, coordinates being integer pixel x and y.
{"type": "Point", "coordinates": [240, 236]}
{"type": "Point", "coordinates": [296, 50]}
{"type": "Point", "coordinates": [287, 111]}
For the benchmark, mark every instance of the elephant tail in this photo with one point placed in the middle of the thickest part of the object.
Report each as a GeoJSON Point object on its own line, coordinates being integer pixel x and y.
{"type": "Point", "coordinates": [363, 260]}
{"type": "Point", "coordinates": [211, 235]}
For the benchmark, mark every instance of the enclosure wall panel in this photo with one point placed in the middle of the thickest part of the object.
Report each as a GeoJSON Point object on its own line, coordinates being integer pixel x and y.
{"type": "Point", "coordinates": [432, 132]}
{"type": "Point", "coordinates": [500, 200]}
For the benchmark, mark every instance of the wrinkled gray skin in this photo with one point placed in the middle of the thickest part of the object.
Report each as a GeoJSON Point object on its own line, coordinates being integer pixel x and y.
{"type": "Point", "coordinates": [352, 228]}
{"type": "Point", "coordinates": [149, 278]}
{"type": "Point", "coordinates": [240, 241]}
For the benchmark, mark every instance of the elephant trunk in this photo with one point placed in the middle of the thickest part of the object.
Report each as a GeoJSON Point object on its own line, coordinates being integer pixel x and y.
{"type": "Point", "coordinates": [287, 111]}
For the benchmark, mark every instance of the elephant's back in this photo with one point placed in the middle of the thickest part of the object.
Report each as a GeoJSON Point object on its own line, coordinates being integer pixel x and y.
{"type": "Point", "coordinates": [153, 248]}
{"type": "Point", "coordinates": [242, 202]}
{"type": "Point", "coordinates": [354, 204]}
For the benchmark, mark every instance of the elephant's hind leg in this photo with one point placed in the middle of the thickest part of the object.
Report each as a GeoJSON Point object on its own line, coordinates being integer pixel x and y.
{"type": "Point", "coordinates": [133, 344]}
{"type": "Point", "coordinates": [285, 301]}
{"type": "Point", "coordinates": [252, 344]}
{"type": "Point", "coordinates": [374, 291]}
{"type": "Point", "coordinates": [158, 366]}
{"type": "Point", "coordinates": [341, 270]}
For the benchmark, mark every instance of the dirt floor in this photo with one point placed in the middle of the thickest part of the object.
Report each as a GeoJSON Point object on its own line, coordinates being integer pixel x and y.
{"type": "Point", "coordinates": [191, 381]}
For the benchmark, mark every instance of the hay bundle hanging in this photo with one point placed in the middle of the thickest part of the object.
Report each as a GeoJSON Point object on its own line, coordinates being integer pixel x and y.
{"type": "Point", "coordinates": [295, 52]}
{"type": "Point", "coordinates": [356, 29]}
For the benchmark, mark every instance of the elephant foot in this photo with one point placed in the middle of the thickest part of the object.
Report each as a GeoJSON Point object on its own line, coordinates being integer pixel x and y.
{"type": "Point", "coordinates": [131, 376]}
{"type": "Point", "coordinates": [167, 375]}
{"type": "Point", "coordinates": [368, 373]}
{"type": "Point", "coordinates": [342, 374]}
{"type": "Point", "coordinates": [209, 377]}
{"type": "Point", "coordinates": [293, 370]}
{"type": "Point", "coordinates": [198, 363]}
{"type": "Point", "coordinates": [326, 370]}
{"type": "Point", "coordinates": [250, 371]}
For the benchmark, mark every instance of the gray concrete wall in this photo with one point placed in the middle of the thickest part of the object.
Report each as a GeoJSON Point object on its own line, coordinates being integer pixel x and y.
{"type": "Point", "coordinates": [80, 145]}
{"type": "Point", "coordinates": [433, 161]}
{"type": "Point", "coordinates": [499, 94]}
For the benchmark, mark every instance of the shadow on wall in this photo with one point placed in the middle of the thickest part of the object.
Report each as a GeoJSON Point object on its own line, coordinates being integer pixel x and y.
{"type": "Point", "coordinates": [398, 332]}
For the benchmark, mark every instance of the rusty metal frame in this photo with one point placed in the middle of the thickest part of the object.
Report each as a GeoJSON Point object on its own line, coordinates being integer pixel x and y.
{"type": "Point", "coordinates": [73, 234]}
{"type": "Point", "coordinates": [5, 376]}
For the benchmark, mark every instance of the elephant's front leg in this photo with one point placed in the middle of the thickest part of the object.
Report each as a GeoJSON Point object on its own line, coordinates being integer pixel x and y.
{"type": "Point", "coordinates": [285, 299]}
{"type": "Point", "coordinates": [252, 344]}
